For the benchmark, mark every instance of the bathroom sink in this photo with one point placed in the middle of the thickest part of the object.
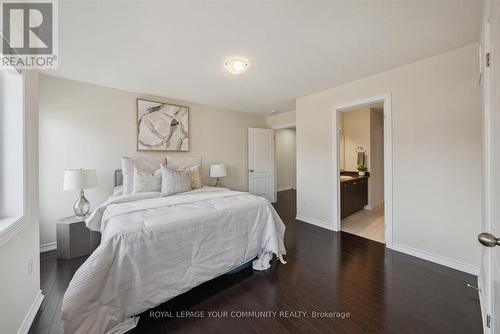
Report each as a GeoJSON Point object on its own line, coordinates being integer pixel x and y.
{"type": "Point", "coordinates": [345, 177]}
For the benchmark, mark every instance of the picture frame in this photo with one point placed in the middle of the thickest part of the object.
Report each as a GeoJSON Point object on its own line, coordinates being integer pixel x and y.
{"type": "Point", "coordinates": [162, 126]}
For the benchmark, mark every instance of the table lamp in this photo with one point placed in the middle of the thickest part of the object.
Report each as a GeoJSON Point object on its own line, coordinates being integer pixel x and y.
{"type": "Point", "coordinates": [80, 179]}
{"type": "Point", "coordinates": [218, 171]}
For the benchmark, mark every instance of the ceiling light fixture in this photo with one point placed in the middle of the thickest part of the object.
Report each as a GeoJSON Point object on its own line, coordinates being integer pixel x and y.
{"type": "Point", "coordinates": [236, 65]}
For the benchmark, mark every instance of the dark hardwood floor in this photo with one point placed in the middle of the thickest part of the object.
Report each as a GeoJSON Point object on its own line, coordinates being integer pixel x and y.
{"type": "Point", "coordinates": [381, 290]}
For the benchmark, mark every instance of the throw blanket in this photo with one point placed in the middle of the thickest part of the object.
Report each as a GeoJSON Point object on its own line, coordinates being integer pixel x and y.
{"type": "Point", "coordinates": [154, 248]}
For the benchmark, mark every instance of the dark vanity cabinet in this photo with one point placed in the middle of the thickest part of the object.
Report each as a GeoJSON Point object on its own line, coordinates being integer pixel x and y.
{"type": "Point", "coordinates": [353, 195]}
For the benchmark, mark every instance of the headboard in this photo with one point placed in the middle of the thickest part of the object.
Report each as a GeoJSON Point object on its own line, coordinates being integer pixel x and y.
{"type": "Point", "coordinates": [118, 177]}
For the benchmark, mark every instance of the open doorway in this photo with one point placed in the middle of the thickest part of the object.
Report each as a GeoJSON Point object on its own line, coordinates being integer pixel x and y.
{"type": "Point", "coordinates": [285, 156]}
{"type": "Point", "coordinates": [361, 159]}
{"type": "Point", "coordinates": [363, 168]}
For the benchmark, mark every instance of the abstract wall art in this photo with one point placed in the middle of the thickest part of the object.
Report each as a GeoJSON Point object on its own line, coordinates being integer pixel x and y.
{"type": "Point", "coordinates": [162, 126]}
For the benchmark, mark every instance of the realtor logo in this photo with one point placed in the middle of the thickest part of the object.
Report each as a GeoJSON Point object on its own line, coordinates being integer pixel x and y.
{"type": "Point", "coordinates": [29, 37]}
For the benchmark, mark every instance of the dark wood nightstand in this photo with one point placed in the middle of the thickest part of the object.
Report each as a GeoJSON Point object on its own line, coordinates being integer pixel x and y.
{"type": "Point", "coordinates": [74, 239]}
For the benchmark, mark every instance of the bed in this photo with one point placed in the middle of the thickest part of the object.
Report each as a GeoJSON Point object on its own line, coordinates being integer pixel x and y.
{"type": "Point", "coordinates": [154, 248]}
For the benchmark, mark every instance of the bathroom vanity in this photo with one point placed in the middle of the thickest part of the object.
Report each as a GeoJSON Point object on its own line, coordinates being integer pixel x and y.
{"type": "Point", "coordinates": [353, 193]}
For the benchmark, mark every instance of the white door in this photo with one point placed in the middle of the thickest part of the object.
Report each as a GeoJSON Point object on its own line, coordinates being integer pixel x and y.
{"type": "Point", "coordinates": [261, 163]}
{"type": "Point", "coordinates": [490, 264]}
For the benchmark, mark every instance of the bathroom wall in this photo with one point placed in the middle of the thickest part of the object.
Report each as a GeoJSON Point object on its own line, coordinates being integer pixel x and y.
{"type": "Point", "coordinates": [356, 134]}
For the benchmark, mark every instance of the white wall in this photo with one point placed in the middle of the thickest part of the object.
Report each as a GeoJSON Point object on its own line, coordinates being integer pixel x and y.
{"type": "Point", "coordinates": [376, 179]}
{"type": "Point", "coordinates": [285, 158]}
{"type": "Point", "coordinates": [356, 134]}
{"type": "Point", "coordinates": [20, 294]}
{"type": "Point", "coordinates": [436, 127]}
{"type": "Point", "coordinates": [88, 126]}
{"type": "Point", "coordinates": [282, 119]}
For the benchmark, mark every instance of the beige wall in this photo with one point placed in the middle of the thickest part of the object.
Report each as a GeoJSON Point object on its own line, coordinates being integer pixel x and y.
{"type": "Point", "coordinates": [285, 159]}
{"type": "Point", "coordinates": [436, 128]}
{"type": "Point", "coordinates": [282, 119]}
{"type": "Point", "coordinates": [88, 126]}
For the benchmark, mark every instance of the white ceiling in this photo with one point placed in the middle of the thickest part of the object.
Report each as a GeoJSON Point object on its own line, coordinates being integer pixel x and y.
{"type": "Point", "coordinates": [176, 48]}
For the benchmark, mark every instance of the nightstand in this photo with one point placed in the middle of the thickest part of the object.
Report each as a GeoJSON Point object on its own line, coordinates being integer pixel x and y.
{"type": "Point", "coordinates": [74, 239]}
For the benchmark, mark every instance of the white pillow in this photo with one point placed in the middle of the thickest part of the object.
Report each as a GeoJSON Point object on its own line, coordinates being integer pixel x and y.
{"type": "Point", "coordinates": [174, 181]}
{"type": "Point", "coordinates": [117, 191]}
{"type": "Point", "coordinates": [146, 182]}
{"type": "Point", "coordinates": [148, 164]}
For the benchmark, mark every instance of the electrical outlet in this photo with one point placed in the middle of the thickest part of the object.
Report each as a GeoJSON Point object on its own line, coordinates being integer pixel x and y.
{"type": "Point", "coordinates": [30, 266]}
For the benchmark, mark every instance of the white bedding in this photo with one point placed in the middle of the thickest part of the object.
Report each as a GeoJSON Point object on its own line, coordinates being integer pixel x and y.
{"type": "Point", "coordinates": [154, 248]}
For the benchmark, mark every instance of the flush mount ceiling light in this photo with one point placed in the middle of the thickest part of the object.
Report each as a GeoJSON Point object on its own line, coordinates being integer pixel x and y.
{"type": "Point", "coordinates": [236, 65]}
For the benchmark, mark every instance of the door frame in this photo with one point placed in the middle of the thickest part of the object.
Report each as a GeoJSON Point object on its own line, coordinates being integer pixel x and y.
{"type": "Point", "coordinates": [279, 127]}
{"type": "Point", "coordinates": [485, 285]}
{"type": "Point", "coordinates": [386, 99]}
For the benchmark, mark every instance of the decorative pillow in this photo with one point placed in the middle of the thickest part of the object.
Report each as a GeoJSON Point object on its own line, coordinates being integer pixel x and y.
{"type": "Point", "coordinates": [117, 191]}
{"type": "Point", "coordinates": [149, 165]}
{"type": "Point", "coordinates": [174, 181]}
{"type": "Point", "coordinates": [194, 173]}
{"type": "Point", "coordinates": [144, 181]}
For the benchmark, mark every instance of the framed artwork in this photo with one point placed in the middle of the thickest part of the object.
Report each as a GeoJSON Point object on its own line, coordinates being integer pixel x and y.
{"type": "Point", "coordinates": [162, 126]}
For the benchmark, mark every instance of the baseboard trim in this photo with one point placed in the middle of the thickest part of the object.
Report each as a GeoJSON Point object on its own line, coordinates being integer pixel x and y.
{"type": "Point", "coordinates": [486, 330]}
{"type": "Point", "coordinates": [444, 261]}
{"type": "Point", "coordinates": [285, 188]}
{"type": "Point", "coordinates": [30, 316]}
{"type": "Point", "coordinates": [48, 247]}
{"type": "Point", "coordinates": [316, 222]}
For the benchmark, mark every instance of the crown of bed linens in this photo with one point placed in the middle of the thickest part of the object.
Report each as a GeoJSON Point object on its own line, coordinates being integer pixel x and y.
{"type": "Point", "coordinates": [182, 162]}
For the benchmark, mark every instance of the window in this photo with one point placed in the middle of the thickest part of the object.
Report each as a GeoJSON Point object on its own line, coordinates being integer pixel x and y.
{"type": "Point", "coordinates": [11, 147]}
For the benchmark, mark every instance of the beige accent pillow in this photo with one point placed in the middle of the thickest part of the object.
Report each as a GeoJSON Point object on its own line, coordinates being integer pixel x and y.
{"type": "Point", "coordinates": [194, 173]}
{"type": "Point", "coordinates": [145, 181]}
{"type": "Point", "coordinates": [174, 181]}
{"type": "Point", "coordinates": [149, 165]}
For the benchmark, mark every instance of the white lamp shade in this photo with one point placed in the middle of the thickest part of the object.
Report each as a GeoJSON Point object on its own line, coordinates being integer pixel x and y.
{"type": "Point", "coordinates": [76, 179]}
{"type": "Point", "coordinates": [218, 170]}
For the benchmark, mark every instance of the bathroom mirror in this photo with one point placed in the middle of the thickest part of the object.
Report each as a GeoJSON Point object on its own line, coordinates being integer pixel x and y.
{"type": "Point", "coordinates": [341, 142]}
{"type": "Point", "coordinates": [361, 158]}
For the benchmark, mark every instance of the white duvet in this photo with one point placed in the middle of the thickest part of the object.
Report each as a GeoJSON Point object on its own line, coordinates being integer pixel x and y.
{"type": "Point", "coordinates": [154, 248]}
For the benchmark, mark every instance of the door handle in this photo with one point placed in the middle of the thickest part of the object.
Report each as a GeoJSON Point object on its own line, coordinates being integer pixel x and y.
{"type": "Point", "coordinates": [250, 170]}
{"type": "Point", "coordinates": [488, 240]}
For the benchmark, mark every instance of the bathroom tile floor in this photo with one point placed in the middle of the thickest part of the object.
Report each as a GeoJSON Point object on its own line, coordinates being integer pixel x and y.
{"type": "Point", "coordinates": [366, 223]}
